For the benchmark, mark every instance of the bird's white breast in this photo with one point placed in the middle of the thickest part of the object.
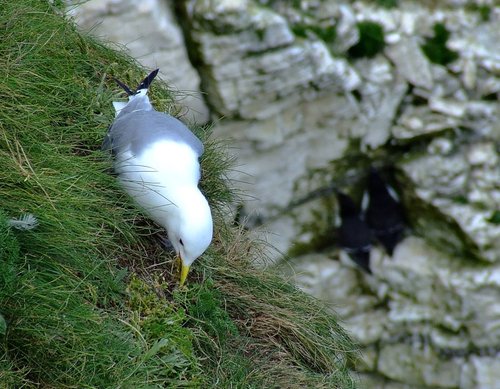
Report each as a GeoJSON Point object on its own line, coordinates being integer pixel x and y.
{"type": "Point", "coordinates": [157, 177]}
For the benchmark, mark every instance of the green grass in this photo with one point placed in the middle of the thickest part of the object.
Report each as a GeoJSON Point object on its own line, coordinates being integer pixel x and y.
{"type": "Point", "coordinates": [435, 48]}
{"type": "Point", "coordinates": [328, 34]}
{"type": "Point", "coordinates": [495, 217]}
{"type": "Point", "coordinates": [387, 3]}
{"type": "Point", "coordinates": [88, 297]}
{"type": "Point", "coordinates": [484, 11]}
{"type": "Point", "coordinates": [371, 40]}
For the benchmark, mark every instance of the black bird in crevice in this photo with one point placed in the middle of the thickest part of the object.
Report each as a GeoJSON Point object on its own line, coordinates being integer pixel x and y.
{"type": "Point", "coordinates": [384, 213]}
{"type": "Point", "coordinates": [354, 236]}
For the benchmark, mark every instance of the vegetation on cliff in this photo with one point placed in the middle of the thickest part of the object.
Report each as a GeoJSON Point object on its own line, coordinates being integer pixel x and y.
{"type": "Point", "coordinates": [88, 298]}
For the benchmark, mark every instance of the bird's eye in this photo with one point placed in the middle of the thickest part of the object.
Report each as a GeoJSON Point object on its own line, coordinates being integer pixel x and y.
{"type": "Point", "coordinates": [181, 242]}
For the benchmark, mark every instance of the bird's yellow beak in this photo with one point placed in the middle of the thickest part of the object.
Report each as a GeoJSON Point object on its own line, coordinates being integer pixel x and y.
{"type": "Point", "coordinates": [184, 272]}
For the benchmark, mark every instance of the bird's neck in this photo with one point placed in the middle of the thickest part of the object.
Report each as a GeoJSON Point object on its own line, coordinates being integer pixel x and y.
{"type": "Point", "coordinates": [135, 103]}
{"type": "Point", "coordinates": [194, 213]}
{"type": "Point", "coordinates": [191, 200]}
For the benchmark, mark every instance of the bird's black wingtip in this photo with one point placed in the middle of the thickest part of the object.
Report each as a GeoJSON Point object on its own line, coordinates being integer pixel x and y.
{"type": "Point", "coordinates": [122, 85]}
{"type": "Point", "coordinates": [148, 80]}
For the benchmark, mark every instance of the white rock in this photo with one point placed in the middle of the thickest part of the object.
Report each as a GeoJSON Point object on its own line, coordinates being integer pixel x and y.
{"type": "Point", "coordinates": [447, 107]}
{"type": "Point", "coordinates": [329, 280]}
{"type": "Point", "coordinates": [486, 372]}
{"type": "Point", "coordinates": [416, 121]}
{"type": "Point", "coordinates": [482, 109]}
{"type": "Point", "coordinates": [446, 340]}
{"type": "Point", "coordinates": [480, 42]}
{"type": "Point", "coordinates": [381, 96]}
{"type": "Point", "coordinates": [367, 328]}
{"type": "Point", "coordinates": [441, 146]}
{"type": "Point", "coordinates": [347, 33]}
{"type": "Point", "coordinates": [482, 154]}
{"type": "Point", "coordinates": [411, 62]}
{"type": "Point", "coordinates": [483, 309]}
{"type": "Point", "coordinates": [417, 366]}
{"type": "Point", "coordinates": [368, 361]}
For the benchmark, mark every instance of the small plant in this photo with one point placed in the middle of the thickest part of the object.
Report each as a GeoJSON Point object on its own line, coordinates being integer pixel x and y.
{"type": "Point", "coordinates": [495, 217]}
{"type": "Point", "coordinates": [387, 3]}
{"type": "Point", "coordinates": [203, 304]}
{"type": "Point", "coordinates": [371, 40]}
{"type": "Point", "coordinates": [326, 34]}
{"type": "Point", "coordinates": [435, 48]}
{"type": "Point", "coordinates": [483, 10]}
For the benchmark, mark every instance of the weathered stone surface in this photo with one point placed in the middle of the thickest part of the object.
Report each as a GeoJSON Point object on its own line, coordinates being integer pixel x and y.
{"type": "Point", "coordinates": [486, 371]}
{"type": "Point", "coordinates": [382, 94]}
{"type": "Point", "coordinates": [329, 280]}
{"type": "Point", "coordinates": [347, 33]}
{"type": "Point", "coordinates": [411, 63]}
{"type": "Point", "coordinates": [482, 308]}
{"type": "Point", "coordinates": [271, 178]}
{"type": "Point", "coordinates": [367, 328]}
{"type": "Point", "coordinates": [243, 76]}
{"type": "Point", "coordinates": [266, 84]}
{"type": "Point", "coordinates": [444, 180]}
{"type": "Point", "coordinates": [480, 43]}
{"type": "Point", "coordinates": [376, 382]}
{"type": "Point", "coordinates": [450, 341]}
{"type": "Point", "coordinates": [419, 121]}
{"type": "Point", "coordinates": [418, 366]}
{"type": "Point", "coordinates": [378, 126]}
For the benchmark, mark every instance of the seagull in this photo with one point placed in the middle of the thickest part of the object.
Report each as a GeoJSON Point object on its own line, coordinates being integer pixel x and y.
{"type": "Point", "coordinates": [156, 159]}
{"type": "Point", "coordinates": [383, 212]}
{"type": "Point", "coordinates": [354, 236]}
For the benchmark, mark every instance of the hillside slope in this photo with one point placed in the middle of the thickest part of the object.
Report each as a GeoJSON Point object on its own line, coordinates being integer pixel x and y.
{"type": "Point", "coordinates": [88, 296]}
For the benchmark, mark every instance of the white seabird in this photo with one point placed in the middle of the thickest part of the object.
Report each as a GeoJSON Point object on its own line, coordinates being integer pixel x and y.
{"type": "Point", "coordinates": [156, 160]}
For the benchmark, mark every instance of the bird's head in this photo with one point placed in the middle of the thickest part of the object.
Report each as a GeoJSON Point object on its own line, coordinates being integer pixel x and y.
{"type": "Point", "coordinates": [137, 99]}
{"type": "Point", "coordinates": [193, 233]}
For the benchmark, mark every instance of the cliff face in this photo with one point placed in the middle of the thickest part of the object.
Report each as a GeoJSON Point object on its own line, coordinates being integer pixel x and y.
{"type": "Point", "coordinates": [312, 94]}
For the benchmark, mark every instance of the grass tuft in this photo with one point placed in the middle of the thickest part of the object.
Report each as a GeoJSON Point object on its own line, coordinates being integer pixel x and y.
{"type": "Point", "coordinates": [435, 48]}
{"type": "Point", "coordinates": [371, 40]}
{"type": "Point", "coordinates": [494, 218]}
{"type": "Point", "coordinates": [296, 338]}
{"type": "Point", "coordinates": [387, 3]}
{"type": "Point", "coordinates": [328, 34]}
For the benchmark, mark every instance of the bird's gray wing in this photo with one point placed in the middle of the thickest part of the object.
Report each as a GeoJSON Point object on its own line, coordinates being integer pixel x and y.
{"type": "Point", "coordinates": [107, 142]}
{"type": "Point", "coordinates": [140, 129]}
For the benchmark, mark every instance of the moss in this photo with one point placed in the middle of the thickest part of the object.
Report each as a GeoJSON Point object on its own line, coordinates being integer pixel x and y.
{"type": "Point", "coordinates": [435, 48]}
{"type": "Point", "coordinates": [371, 40]}
{"type": "Point", "coordinates": [483, 10]}
{"type": "Point", "coordinates": [327, 34]}
{"type": "Point", "coordinates": [203, 303]}
{"type": "Point", "coordinates": [157, 318]}
{"type": "Point", "coordinates": [495, 217]}
{"type": "Point", "coordinates": [460, 199]}
{"type": "Point", "coordinates": [387, 3]}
